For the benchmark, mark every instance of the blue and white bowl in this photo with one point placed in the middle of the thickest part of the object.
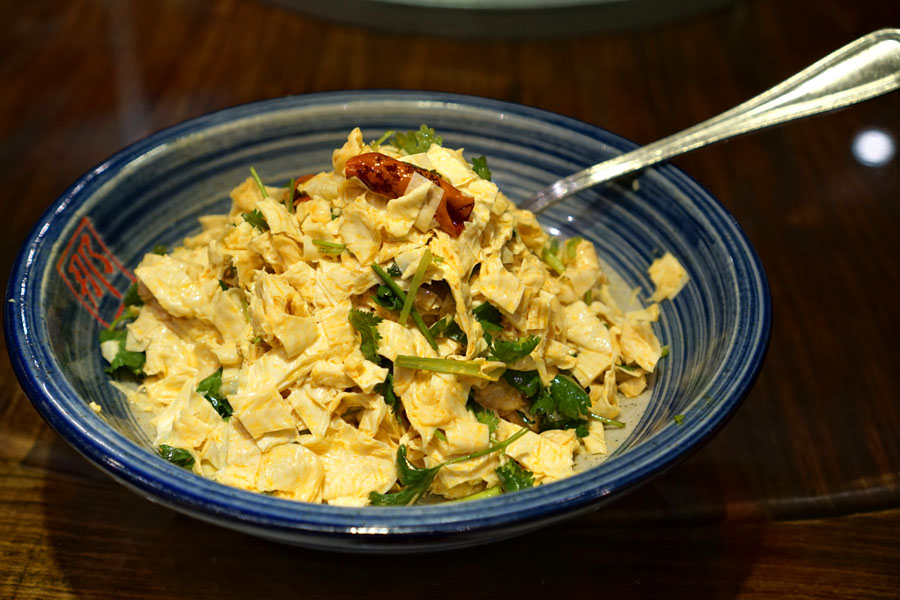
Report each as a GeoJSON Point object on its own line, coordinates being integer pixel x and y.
{"type": "Point", "coordinates": [72, 270]}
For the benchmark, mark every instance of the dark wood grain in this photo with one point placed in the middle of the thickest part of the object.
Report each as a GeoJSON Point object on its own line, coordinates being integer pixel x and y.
{"type": "Point", "coordinates": [798, 494]}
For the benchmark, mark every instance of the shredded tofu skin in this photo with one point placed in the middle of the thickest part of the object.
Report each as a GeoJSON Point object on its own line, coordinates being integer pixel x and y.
{"type": "Point", "coordinates": [257, 366]}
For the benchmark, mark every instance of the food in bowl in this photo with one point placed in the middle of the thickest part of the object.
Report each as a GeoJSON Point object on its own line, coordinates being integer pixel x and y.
{"type": "Point", "coordinates": [390, 330]}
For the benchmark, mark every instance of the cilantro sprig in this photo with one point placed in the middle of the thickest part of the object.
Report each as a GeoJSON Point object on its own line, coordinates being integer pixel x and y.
{"type": "Point", "coordinates": [446, 327]}
{"type": "Point", "coordinates": [414, 142]}
{"type": "Point", "coordinates": [401, 296]}
{"type": "Point", "coordinates": [366, 324]}
{"type": "Point", "coordinates": [513, 477]}
{"type": "Point", "coordinates": [132, 362]}
{"type": "Point", "coordinates": [564, 404]}
{"type": "Point", "coordinates": [484, 415]}
{"type": "Point", "coordinates": [509, 351]}
{"type": "Point", "coordinates": [256, 218]}
{"type": "Point", "coordinates": [416, 480]}
{"type": "Point", "coordinates": [177, 456]}
{"type": "Point", "coordinates": [479, 165]}
{"type": "Point", "coordinates": [211, 389]}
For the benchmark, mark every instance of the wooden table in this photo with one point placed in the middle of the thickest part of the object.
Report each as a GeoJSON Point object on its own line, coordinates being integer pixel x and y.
{"type": "Point", "coordinates": [798, 495]}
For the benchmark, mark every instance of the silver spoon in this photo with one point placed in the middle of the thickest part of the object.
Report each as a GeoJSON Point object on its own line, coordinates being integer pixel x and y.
{"type": "Point", "coordinates": [863, 69]}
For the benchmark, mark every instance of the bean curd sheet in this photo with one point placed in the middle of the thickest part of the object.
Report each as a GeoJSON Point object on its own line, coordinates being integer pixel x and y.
{"type": "Point", "coordinates": [392, 331]}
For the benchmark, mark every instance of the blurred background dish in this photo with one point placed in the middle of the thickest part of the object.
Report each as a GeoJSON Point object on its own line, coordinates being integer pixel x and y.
{"type": "Point", "coordinates": [503, 18]}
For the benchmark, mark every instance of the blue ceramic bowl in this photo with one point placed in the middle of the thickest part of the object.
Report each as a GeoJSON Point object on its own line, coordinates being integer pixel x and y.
{"type": "Point", "coordinates": [72, 270]}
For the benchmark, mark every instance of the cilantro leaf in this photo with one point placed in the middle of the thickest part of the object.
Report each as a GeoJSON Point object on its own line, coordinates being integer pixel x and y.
{"type": "Point", "coordinates": [132, 362]}
{"type": "Point", "coordinates": [256, 218]}
{"type": "Point", "coordinates": [384, 136]}
{"type": "Point", "coordinates": [210, 388]}
{"type": "Point", "coordinates": [484, 415]}
{"type": "Point", "coordinates": [479, 165]}
{"type": "Point", "coordinates": [527, 382]}
{"type": "Point", "coordinates": [386, 298]}
{"type": "Point", "coordinates": [177, 456]}
{"type": "Point", "coordinates": [394, 270]}
{"type": "Point", "coordinates": [416, 480]}
{"type": "Point", "coordinates": [513, 477]}
{"type": "Point", "coordinates": [160, 249]}
{"type": "Point", "coordinates": [386, 389]}
{"type": "Point", "coordinates": [490, 318]}
{"type": "Point", "coordinates": [131, 297]}
{"type": "Point", "coordinates": [447, 327]}
{"type": "Point", "coordinates": [366, 324]}
{"type": "Point", "coordinates": [512, 350]}
{"type": "Point", "coordinates": [562, 405]}
{"type": "Point", "coordinates": [571, 400]}
{"type": "Point", "coordinates": [414, 142]}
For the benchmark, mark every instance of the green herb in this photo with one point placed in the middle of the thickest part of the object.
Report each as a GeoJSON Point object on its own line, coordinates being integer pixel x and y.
{"type": "Point", "coordinates": [384, 136]}
{"type": "Point", "coordinates": [479, 165]}
{"type": "Point", "coordinates": [386, 298]}
{"type": "Point", "coordinates": [256, 340]}
{"type": "Point", "coordinates": [386, 389]}
{"type": "Point", "coordinates": [417, 318]}
{"type": "Point", "coordinates": [444, 365]}
{"type": "Point", "coordinates": [570, 398]}
{"type": "Point", "coordinates": [440, 435]}
{"type": "Point", "coordinates": [132, 362]}
{"type": "Point", "coordinates": [488, 313]}
{"type": "Point", "coordinates": [416, 481]}
{"type": "Point", "coordinates": [607, 420]}
{"type": "Point", "coordinates": [256, 218]}
{"type": "Point", "coordinates": [486, 493]}
{"type": "Point", "coordinates": [394, 270]}
{"type": "Point", "coordinates": [562, 405]}
{"type": "Point", "coordinates": [447, 327]}
{"type": "Point", "coordinates": [414, 285]}
{"type": "Point", "coordinates": [290, 196]}
{"type": "Point", "coordinates": [678, 419]}
{"type": "Point", "coordinates": [527, 382]}
{"type": "Point", "coordinates": [514, 477]}
{"type": "Point", "coordinates": [223, 285]}
{"type": "Point", "coordinates": [366, 324]}
{"type": "Point", "coordinates": [177, 456]}
{"type": "Point", "coordinates": [329, 247]}
{"type": "Point", "coordinates": [259, 183]}
{"type": "Point", "coordinates": [664, 351]}
{"type": "Point", "coordinates": [484, 415]}
{"type": "Point", "coordinates": [572, 246]}
{"type": "Point", "coordinates": [131, 297]}
{"type": "Point", "coordinates": [588, 297]}
{"type": "Point", "coordinates": [211, 389]}
{"type": "Point", "coordinates": [627, 368]}
{"type": "Point", "coordinates": [414, 142]}
{"type": "Point", "coordinates": [490, 318]}
{"type": "Point", "coordinates": [160, 249]}
{"type": "Point", "coordinates": [512, 350]}
{"type": "Point", "coordinates": [549, 256]}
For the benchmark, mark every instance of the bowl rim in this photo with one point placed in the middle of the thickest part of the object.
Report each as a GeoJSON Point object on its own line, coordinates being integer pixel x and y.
{"type": "Point", "coordinates": [331, 526]}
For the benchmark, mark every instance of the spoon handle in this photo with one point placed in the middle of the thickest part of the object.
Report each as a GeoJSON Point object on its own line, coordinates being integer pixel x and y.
{"type": "Point", "coordinates": [863, 69]}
